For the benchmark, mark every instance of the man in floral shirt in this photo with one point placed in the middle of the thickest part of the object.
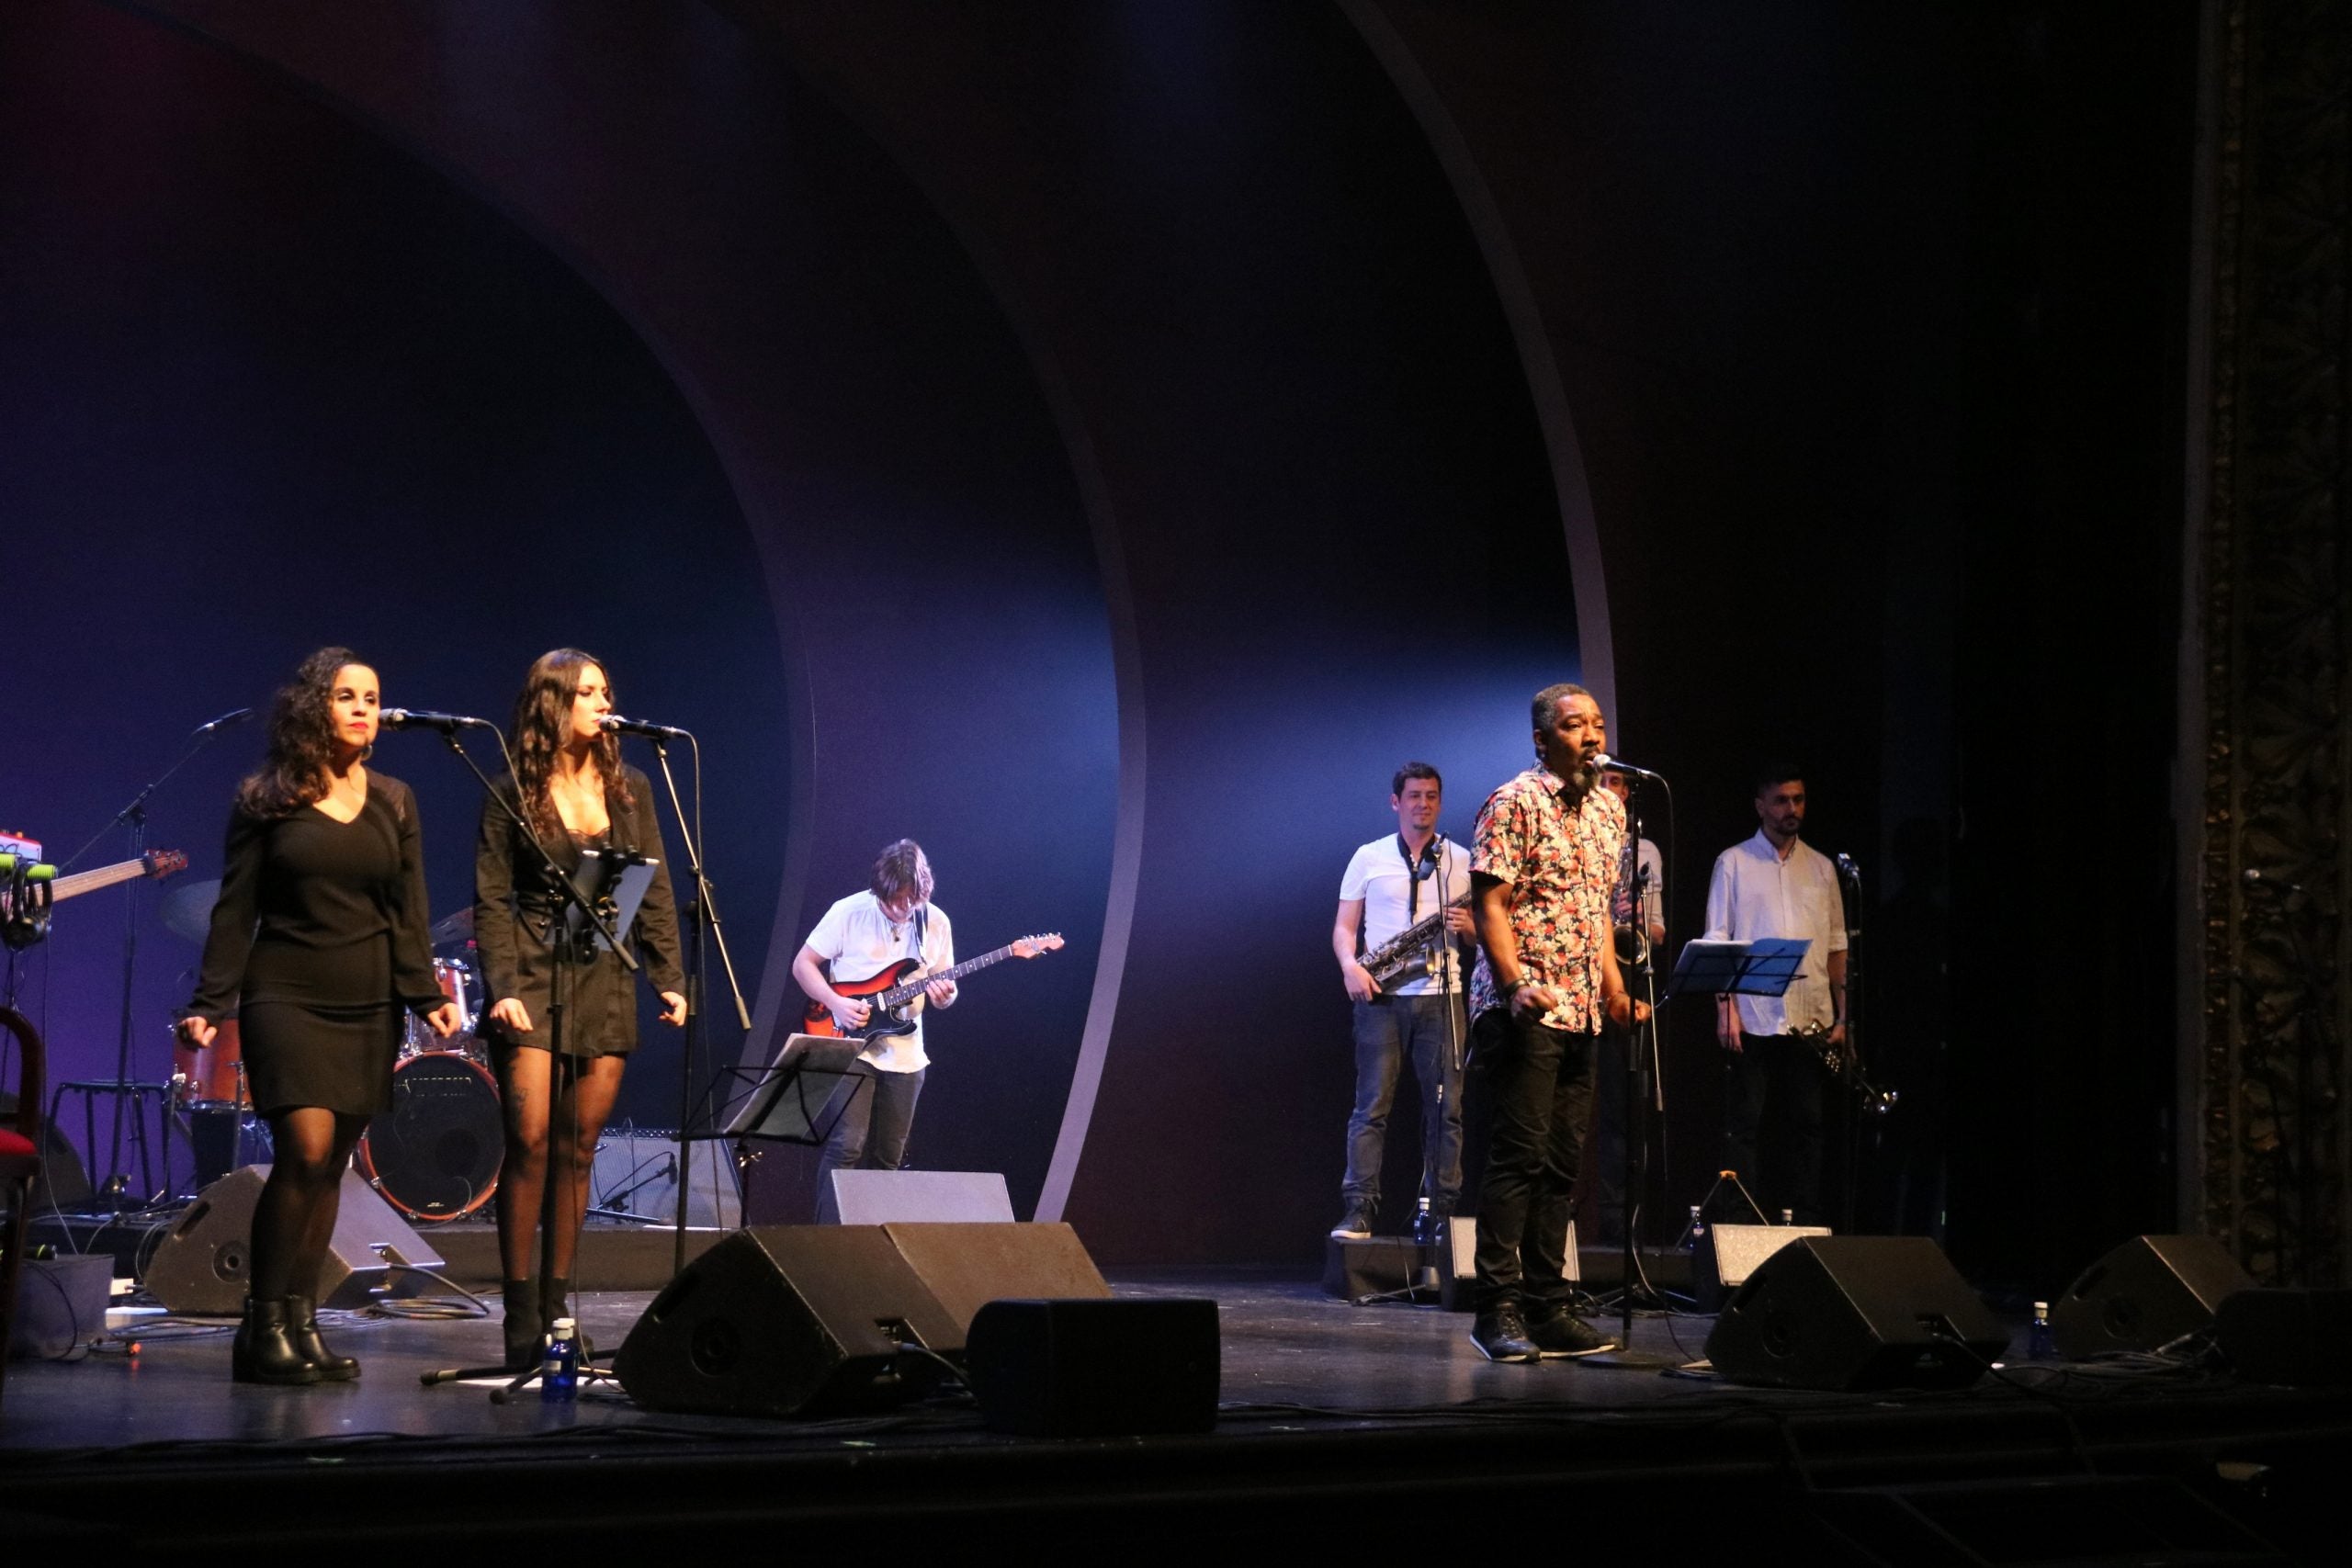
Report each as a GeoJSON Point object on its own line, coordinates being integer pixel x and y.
{"type": "Point", "coordinates": [1542, 866]}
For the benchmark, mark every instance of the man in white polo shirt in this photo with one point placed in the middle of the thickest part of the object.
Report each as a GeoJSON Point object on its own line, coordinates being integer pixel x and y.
{"type": "Point", "coordinates": [858, 937]}
{"type": "Point", "coordinates": [1775, 885]}
{"type": "Point", "coordinates": [1390, 885]}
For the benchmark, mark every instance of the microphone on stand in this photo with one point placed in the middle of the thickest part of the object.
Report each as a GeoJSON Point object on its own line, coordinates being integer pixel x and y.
{"type": "Point", "coordinates": [425, 718]}
{"type": "Point", "coordinates": [613, 723]}
{"type": "Point", "coordinates": [1602, 762]}
{"type": "Point", "coordinates": [234, 716]}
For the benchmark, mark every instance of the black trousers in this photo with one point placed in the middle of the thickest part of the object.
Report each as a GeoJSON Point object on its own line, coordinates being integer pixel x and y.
{"type": "Point", "coordinates": [1772, 1120]}
{"type": "Point", "coordinates": [1536, 1084]}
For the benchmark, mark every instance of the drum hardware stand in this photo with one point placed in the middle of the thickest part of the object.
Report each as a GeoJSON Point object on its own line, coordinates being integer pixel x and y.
{"type": "Point", "coordinates": [122, 1087]}
{"type": "Point", "coordinates": [562, 943]}
{"type": "Point", "coordinates": [701, 912]}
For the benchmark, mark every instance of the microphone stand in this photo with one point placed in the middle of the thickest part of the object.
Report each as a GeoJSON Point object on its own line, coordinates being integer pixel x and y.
{"type": "Point", "coordinates": [561, 1185]}
{"type": "Point", "coordinates": [1645, 1087]}
{"type": "Point", "coordinates": [134, 816]}
{"type": "Point", "coordinates": [701, 914]}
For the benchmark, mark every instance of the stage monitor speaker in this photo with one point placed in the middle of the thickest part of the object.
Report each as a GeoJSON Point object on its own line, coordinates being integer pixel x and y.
{"type": "Point", "coordinates": [788, 1320]}
{"type": "Point", "coordinates": [1856, 1312]}
{"type": "Point", "coordinates": [202, 1264]}
{"type": "Point", "coordinates": [964, 1267]}
{"type": "Point", "coordinates": [1095, 1368]}
{"type": "Point", "coordinates": [2302, 1339]}
{"type": "Point", "coordinates": [1725, 1255]}
{"type": "Point", "coordinates": [2145, 1294]}
{"type": "Point", "coordinates": [937, 1197]}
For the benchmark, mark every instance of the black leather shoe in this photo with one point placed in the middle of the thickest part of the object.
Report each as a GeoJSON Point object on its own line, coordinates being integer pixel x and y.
{"type": "Point", "coordinates": [1355, 1225]}
{"type": "Point", "coordinates": [302, 1332]}
{"type": "Point", "coordinates": [1566, 1334]}
{"type": "Point", "coordinates": [1501, 1335]}
{"type": "Point", "coordinates": [263, 1352]}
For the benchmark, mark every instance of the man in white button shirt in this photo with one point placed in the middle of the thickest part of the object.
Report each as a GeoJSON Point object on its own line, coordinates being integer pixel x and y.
{"type": "Point", "coordinates": [1391, 883]}
{"type": "Point", "coordinates": [1775, 885]}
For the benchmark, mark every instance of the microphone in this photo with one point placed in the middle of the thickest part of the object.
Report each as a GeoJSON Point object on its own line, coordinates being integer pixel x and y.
{"type": "Point", "coordinates": [234, 716]}
{"type": "Point", "coordinates": [1602, 762]}
{"type": "Point", "coordinates": [425, 718]}
{"type": "Point", "coordinates": [2254, 878]}
{"type": "Point", "coordinates": [613, 723]}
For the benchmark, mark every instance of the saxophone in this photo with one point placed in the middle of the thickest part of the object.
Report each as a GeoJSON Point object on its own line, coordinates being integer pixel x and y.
{"type": "Point", "coordinates": [1399, 952]}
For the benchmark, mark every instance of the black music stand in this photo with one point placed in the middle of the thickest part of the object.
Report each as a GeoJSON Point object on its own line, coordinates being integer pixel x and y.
{"type": "Point", "coordinates": [783, 1103]}
{"type": "Point", "coordinates": [1760, 968]}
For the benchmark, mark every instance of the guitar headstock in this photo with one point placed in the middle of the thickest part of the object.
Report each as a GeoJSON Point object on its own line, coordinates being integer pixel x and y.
{"type": "Point", "coordinates": [163, 863]}
{"type": "Point", "coordinates": [1037, 947]}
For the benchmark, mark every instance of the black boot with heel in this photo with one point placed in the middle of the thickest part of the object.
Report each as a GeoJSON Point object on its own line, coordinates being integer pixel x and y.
{"type": "Point", "coordinates": [264, 1349]}
{"type": "Point", "coordinates": [302, 1332]}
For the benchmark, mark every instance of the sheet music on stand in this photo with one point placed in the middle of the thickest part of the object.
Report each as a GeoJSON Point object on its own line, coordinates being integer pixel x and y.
{"type": "Point", "coordinates": [784, 1101]}
{"type": "Point", "coordinates": [1760, 968]}
{"type": "Point", "coordinates": [617, 881]}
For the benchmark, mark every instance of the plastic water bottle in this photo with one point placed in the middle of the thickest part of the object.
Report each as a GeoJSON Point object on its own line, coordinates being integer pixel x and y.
{"type": "Point", "coordinates": [2039, 1344]}
{"type": "Point", "coordinates": [1424, 1224]}
{"type": "Point", "coordinates": [559, 1372]}
{"type": "Point", "coordinates": [1698, 1231]}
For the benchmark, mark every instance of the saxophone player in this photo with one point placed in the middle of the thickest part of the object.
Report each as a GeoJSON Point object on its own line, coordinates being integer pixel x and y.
{"type": "Point", "coordinates": [1393, 884]}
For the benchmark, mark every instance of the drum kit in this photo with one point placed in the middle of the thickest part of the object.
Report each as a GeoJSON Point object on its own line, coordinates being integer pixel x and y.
{"type": "Point", "coordinates": [435, 1154]}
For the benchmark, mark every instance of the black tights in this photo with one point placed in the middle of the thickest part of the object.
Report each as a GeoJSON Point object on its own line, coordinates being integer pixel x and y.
{"type": "Point", "coordinates": [579, 1094]}
{"type": "Point", "coordinates": [294, 1220]}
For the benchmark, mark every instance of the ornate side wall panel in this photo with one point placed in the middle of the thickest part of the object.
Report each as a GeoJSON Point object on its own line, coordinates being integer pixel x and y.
{"type": "Point", "coordinates": [2276, 606]}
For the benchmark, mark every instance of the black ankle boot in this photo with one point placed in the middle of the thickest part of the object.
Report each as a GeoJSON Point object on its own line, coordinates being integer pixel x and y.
{"type": "Point", "coordinates": [523, 1324]}
{"type": "Point", "coordinates": [263, 1352]}
{"type": "Point", "coordinates": [302, 1332]}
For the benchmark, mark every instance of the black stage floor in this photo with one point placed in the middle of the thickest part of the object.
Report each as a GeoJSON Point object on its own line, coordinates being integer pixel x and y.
{"type": "Point", "coordinates": [1380, 1424]}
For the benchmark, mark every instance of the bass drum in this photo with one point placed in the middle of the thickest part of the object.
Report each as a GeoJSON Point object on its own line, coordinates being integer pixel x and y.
{"type": "Point", "coordinates": [434, 1154]}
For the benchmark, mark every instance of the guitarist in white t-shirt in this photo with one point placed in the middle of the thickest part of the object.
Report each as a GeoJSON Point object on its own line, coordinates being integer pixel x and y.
{"type": "Point", "coordinates": [1392, 884]}
{"type": "Point", "coordinates": [858, 937]}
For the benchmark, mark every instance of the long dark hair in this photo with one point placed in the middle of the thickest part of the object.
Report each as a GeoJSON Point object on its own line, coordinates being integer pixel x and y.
{"type": "Point", "coordinates": [543, 724]}
{"type": "Point", "coordinates": [293, 773]}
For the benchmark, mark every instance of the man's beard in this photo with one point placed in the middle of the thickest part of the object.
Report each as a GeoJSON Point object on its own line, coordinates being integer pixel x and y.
{"type": "Point", "coordinates": [1581, 781]}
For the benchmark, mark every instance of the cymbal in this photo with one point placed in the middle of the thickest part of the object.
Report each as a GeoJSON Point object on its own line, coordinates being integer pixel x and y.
{"type": "Point", "coordinates": [186, 910]}
{"type": "Point", "coordinates": [459, 927]}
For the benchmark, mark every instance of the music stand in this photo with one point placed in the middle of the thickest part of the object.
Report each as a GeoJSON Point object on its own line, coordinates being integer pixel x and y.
{"type": "Point", "coordinates": [783, 1101]}
{"type": "Point", "coordinates": [1760, 968]}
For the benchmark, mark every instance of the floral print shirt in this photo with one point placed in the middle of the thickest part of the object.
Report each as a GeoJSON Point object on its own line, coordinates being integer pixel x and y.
{"type": "Point", "coordinates": [1561, 865]}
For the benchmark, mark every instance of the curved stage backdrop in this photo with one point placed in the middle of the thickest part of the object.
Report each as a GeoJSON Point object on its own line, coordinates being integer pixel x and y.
{"type": "Point", "coordinates": [1100, 441]}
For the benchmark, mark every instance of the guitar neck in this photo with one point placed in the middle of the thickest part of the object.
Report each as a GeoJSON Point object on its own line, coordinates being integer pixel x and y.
{"type": "Point", "coordinates": [913, 988]}
{"type": "Point", "coordinates": [91, 881]}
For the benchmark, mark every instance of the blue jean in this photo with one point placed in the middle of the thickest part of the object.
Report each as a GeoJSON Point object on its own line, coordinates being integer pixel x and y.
{"type": "Point", "coordinates": [1536, 1084]}
{"type": "Point", "coordinates": [1389, 1031]}
{"type": "Point", "coordinates": [880, 1108]}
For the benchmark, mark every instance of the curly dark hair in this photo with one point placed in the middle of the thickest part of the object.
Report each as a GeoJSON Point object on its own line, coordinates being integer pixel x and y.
{"type": "Point", "coordinates": [293, 773]}
{"type": "Point", "coordinates": [902, 868]}
{"type": "Point", "coordinates": [542, 725]}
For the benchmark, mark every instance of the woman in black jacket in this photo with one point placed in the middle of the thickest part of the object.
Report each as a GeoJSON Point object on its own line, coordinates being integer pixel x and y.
{"type": "Point", "coordinates": [569, 785]}
{"type": "Point", "coordinates": [318, 944]}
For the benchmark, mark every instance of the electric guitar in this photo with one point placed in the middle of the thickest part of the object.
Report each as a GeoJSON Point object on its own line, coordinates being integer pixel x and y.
{"type": "Point", "coordinates": [25, 901]}
{"type": "Point", "coordinates": [893, 993]}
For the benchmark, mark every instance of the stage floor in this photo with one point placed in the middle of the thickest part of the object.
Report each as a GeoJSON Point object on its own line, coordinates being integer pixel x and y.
{"type": "Point", "coordinates": [1325, 1405]}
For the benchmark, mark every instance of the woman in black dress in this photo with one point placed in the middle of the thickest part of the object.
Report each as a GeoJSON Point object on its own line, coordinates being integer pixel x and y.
{"type": "Point", "coordinates": [571, 786]}
{"type": "Point", "coordinates": [318, 943]}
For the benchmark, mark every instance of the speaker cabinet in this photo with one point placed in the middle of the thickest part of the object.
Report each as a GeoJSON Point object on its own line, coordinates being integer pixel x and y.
{"type": "Point", "coordinates": [1095, 1368]}
{"type": "Point", "coordinates": [964, 1267]}
{"type": "Point", "coordinates": [787, 1320]}
{"type": "Point", "coordinates": [202, 1265]}
{"type": "Point", "coordinates": [2147, 1292]}
{"type": "Point", "coordinates": [1856, 1312]}
{"type": "Point", "coordinates": [939, 1196]}
{"type": "Point", "coordinates": [2302, 1339]}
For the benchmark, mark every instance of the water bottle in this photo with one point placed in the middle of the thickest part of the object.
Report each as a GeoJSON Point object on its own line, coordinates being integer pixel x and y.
{"type": "Point", "coordinates": [2039, 1344]}
{"type": "Point", "coordinates": [1788, 1216]}
{"type": "Point", "coordinates": [1697, 1233]}
{"type": "Point", "coordinates": [1424, 1224]}
{"type": "Point", "coordinates": [559, 1372]}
